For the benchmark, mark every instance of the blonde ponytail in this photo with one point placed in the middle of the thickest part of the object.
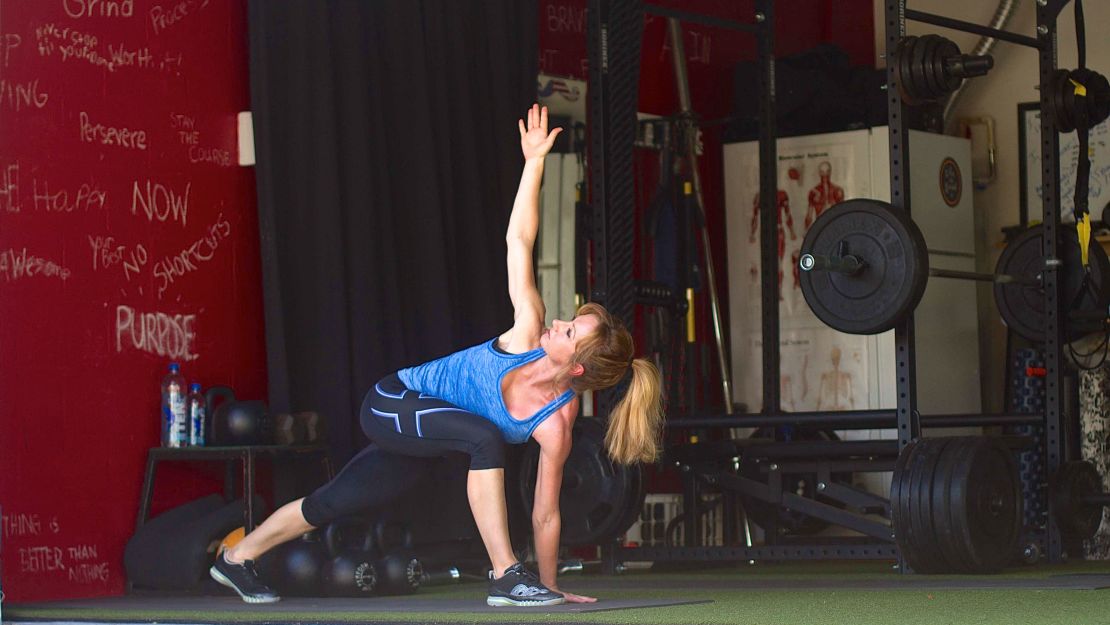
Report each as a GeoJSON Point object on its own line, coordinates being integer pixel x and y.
{"type": "Point", "coordinates": [636, 421]}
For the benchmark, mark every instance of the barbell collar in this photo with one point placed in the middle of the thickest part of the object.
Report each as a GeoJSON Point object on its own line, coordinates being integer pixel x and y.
{"type": "Point", "coordinates": [846, 264]}
{"type": "Point", "coordinates": [968, 66]}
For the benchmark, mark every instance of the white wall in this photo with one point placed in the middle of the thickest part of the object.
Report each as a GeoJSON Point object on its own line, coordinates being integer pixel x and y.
{"type": "Point", "coordinates": [997, 95]}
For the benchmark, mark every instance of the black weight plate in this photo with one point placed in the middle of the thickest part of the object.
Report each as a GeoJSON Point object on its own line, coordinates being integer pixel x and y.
{"type": "Point", "coordinates": [1022, 307]}
{"type": "Point", "coordinates": [924, 555]}
{"type": "Point", "coordinates": [891, 284]}
{"type": "Point", "coordinates": [1060, 101]}
{"type": "Point", "coordinates": [901, 496]}
{"type": "Point", "coordinates": [1074, 480]}
{"type": "Point", "coordinates": [948, 542]}
{"type": "Point", "coordinates": [1098, 97]}
{"type": "Point", "coordinates": [927, 69]}
{"type": "Point", "coordinates": [903, 73]}
{"type": "Point", "coordinates": [919, 71]}
{"type": "Point", "coordinates": [986, 505]}
{"type": "Point", "coordinates": [595, 490]}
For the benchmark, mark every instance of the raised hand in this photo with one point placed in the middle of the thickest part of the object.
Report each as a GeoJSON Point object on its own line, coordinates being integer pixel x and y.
{"type": "Point", "coordinates": [535, 141]}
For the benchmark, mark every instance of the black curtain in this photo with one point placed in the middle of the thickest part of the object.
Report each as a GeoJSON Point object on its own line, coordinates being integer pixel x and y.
{"type": "Point", "coordinates": [388, 159]}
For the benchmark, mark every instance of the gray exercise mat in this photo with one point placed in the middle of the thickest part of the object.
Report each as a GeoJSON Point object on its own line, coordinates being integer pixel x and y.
{"type": "Point", "coordinates": [181, 609]}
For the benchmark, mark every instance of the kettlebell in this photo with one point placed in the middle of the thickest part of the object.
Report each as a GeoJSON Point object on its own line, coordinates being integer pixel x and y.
{"type": "Point", "coordinates": [236, 422]}
{"type": "Point", "coordinates": [400, 571]}
{"type": "Point", "coordinates": [296, 567]}
{"type": "Point", "coordinates": [351, 571]}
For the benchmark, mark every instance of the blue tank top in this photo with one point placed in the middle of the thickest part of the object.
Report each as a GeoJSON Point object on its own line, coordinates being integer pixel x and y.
{"type": "Point", "coordinates": [471, 379]}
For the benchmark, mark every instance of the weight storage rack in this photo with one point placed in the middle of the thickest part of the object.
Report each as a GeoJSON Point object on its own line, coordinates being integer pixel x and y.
{"type": "Point", "coordinates": [614, 52]}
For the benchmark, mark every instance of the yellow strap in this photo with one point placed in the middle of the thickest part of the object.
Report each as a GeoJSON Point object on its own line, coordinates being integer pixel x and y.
{"type": "Point", "coordinates": [1080, 90]}
{"type": "Point", "coordinates": [1083, 228]}
{"type": "Point", "coordinates": [691, 335]}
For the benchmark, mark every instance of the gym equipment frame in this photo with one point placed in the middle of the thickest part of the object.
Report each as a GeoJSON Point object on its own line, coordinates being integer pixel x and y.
{"type": "Point", "coordinates": [708, 465]}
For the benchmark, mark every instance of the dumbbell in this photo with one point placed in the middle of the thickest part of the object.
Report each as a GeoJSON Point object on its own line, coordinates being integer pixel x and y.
{"type": "Point", "coordinates": [399, 569]}
{"type": "Point", "coordinates": [351, 570]}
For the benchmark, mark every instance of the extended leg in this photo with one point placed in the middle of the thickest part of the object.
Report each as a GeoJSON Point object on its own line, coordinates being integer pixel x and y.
{"type": "Point", "coordinates": [283, 525]}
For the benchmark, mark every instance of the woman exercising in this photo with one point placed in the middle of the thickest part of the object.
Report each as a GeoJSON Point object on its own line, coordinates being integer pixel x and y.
{"type": "Point", "coordinates": [522, 384]}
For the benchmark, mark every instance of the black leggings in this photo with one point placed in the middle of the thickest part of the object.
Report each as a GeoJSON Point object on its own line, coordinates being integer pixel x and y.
{"type": "Point", "coordinates": [405, 427]}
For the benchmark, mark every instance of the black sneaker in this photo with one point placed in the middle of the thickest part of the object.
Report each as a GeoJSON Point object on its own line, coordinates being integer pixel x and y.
{"type": "Point", "coordinates": [520, 587]}
{"type": "Point", "coordinates": [243, 579]}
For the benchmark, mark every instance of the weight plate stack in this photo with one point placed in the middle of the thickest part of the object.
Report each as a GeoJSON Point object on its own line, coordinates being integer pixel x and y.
{"type": "Point", "coordinates": [956, 505]}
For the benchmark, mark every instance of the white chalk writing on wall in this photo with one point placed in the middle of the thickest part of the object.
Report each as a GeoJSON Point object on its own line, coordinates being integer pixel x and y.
{"type": "Point", "coordinates": [27, 524]}
{"type": "Point", "coordinates": [134, 260]}
{"type": "Point", "coordinates": [99, 8]}
{"type": "Point", "coordinates": [9, 42]}
{"type": "Point", "coordinates": [111, 135]}
{"type": "Point", "coordinates": [18, 264]}
{"type": "Point", "coordinates": [70, 44]}
{"type": "Point", "coordinates": [9, 188]}
{"type": "Point", "coordinates": [107, 253]}
{"type": "Point", "coordinates": [40, 559]}
{"type": "Point", "coordinates": [46, 199]}
{"type": "Point", "coordinates": [88, 573]}
{"type": "Point", "coordinates": [216, 156]}
{"type": "Point", "coordinates": [187, 260]}
{"type": "Point", "coordinates": [163, 17]}
{"type": "Point", "coordinates": [157, 333]}
{"type": "Point", "coordinates": [159, 202]}
{"type": "Point", "coordinates": [81, 562]}
{"type": "Point", "coordinates": [22, 95]}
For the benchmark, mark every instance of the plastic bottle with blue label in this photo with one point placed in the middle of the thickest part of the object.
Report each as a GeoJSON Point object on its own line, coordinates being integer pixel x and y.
{"type": "Point", "coordinates": [175, 431]}
{"type": "Point", "coordinates": [196, 408]}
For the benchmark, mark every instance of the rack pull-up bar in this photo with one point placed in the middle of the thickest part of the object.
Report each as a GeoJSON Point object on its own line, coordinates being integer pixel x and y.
{"type": "Point", "coordinates": [968, 27]}
{"type": "Point", "coordinates": [687, 16]}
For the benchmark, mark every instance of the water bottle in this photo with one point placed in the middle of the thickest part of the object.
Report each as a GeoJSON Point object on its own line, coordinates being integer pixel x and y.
{"type": "Point", "coordinates": [174, 432]}
{"type": "Point", "coordinates": [196, 407]}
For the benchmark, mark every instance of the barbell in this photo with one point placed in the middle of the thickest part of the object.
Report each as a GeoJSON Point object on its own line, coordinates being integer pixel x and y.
{"type": "Point", "coordinates": [864, 268]}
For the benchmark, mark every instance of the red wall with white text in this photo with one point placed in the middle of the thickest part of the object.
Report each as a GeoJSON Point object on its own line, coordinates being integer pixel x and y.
{"type": "Point", "coordinates": [128, 239]}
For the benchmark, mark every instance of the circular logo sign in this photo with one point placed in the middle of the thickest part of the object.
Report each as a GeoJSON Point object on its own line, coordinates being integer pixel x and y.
{"type": "Point", "coordinates": [951, 182]}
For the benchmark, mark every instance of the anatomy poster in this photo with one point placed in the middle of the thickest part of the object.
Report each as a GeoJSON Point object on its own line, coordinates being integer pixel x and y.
{"type": "Point", "coordinates": [821, 369]}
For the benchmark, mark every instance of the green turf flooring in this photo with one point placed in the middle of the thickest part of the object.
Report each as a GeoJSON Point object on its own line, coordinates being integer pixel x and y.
{"type": "Point", "coordinates": [822, 593]}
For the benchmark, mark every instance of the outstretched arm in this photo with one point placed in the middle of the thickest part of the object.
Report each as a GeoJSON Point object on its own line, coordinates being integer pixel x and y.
{"type": "Point", "coordinates": [520, 237]}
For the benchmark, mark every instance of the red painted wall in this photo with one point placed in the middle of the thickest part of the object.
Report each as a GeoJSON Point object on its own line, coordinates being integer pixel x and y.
{"type": "Point", "coordinates": [128, 238]}
{"type": "Point", "coordinates": [712, 53]}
